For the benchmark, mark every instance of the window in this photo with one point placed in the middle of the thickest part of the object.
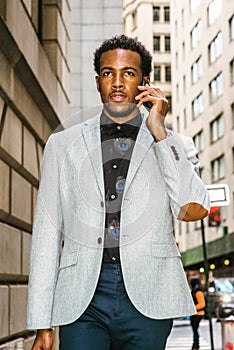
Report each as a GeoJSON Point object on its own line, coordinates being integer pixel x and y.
{"type": "Point", "coordinates": [157, 43]}
{"type": "Point", "coordinates": [198, 106]}
{"type": "Point", "coordinates": [183, 50]}
{"type": "Point", "coordinates": [231, 26]}
{"type": "Point", "coordinates": [233, 161]}
{"type": "Point", "coordinates": [196, 34]}
{"type": "Point", "coordinates": [176, 28]}
{"type": "Point", "coordinates": [178, 123]}
{"type": "Point", "coordinates": [157, 73]}
{"type": "Point", "coordinates": [197, 225]}
{"type": "Point", "coordinates": [194, 5]}
{"type": "Point", "coordinates": [217, 128]}
{"type": "Point", "coordinates": [216, 88]}
{"type": "Point", "coordinates": [232, 72]}
{"type": "Point", "coordinates": [216, 48]}
{"type": "Point", "coordinates": [169, 99]}
{"type": "Point", "coordinates": [185, 118]}
{"type": "Point", "coordinates": [232, 113]}
{"type": "Point", "coordinates": [199, 141]}
{"type": "Point", "coordinates": [166, 14]}
{"type": "Point", "coordinates": [182, 17]}
{"type": "Point", "coordinates": [184, 84]}
{"type": "Point", "coordinates": [214, 10]}
{"type": "Point", "coordinates": [134, 24]}
{"type": "Point", "coordinates": [218, 168]}
{"type": "Point", "coordinates": [156, 13]}
{"type": "Point", "coordinates": [196, 70]}
{"type": "Point", "coordinates": [167, 43]}
{"type": "Point", "coordinates": [168, 73]}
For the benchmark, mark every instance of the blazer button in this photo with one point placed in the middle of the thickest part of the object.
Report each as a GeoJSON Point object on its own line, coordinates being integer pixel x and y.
{"type": "Point", "coordinates": [102, 204]}
{"type": "Point", "coordinates": [99, 240]}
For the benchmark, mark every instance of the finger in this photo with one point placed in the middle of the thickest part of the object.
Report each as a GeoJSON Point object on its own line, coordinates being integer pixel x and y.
{"type": "Point", "coordinates": [141, 95]}
{"type": "Point", "coordinates": [149, 98]}
{"type": "Point", "coordinates": [155, 91]}
{"type": "Point", "coordinates": [143, 87]}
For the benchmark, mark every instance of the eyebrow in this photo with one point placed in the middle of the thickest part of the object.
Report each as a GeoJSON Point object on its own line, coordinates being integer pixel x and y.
{"type": "Point", "coordinates": [124, 68]}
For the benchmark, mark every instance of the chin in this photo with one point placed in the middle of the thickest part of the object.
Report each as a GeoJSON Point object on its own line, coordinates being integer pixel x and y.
{"type": "Point", "coordinates": [119, 109]}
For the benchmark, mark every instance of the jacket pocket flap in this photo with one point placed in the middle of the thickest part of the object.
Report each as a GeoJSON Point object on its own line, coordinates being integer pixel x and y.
{"type": "Point", "coordinates": [68, 260]}
{"type": "Point", "coordinates": [164, 250]}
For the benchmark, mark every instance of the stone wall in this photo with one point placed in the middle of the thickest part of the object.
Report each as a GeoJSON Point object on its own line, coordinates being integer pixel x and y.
{"type": "Point", "coordinates": [34, 99]}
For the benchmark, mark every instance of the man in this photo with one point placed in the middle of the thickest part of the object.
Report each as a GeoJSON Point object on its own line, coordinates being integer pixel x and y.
{"type": "Point", "coordinates": [111, 186]}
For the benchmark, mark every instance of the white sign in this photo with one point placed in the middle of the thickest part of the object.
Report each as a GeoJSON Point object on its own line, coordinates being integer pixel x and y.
{"type": "Point", "coordinates": [219, 195]}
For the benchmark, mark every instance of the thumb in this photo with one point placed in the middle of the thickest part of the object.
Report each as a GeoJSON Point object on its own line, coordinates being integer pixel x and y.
{"type": "Point", "coordinates": [48, 341]}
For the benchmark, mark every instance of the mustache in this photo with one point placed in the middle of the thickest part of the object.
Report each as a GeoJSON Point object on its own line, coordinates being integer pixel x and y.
{"type": "Point", "coordinates": [118, 93]}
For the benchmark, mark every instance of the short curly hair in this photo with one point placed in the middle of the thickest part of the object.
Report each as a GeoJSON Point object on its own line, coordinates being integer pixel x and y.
{"type": "Point", "coordinates": [127, 43]}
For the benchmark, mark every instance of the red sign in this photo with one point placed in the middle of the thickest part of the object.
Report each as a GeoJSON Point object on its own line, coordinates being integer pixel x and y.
{"type": "Point", "coordinates": [214, 216]}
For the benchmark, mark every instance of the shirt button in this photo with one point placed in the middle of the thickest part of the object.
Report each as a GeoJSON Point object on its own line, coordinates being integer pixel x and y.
{"type": "Point", "coordinates": [113, 196]}
{"type": "Point", "coordinates": [118, 127]}
{"type": "Point", "coordinates": [114, 166]}
{"type": "Point", "coordinates": [102, 204]}
{"type": "Point", "coordinates": [99, 240]}
{"type": "Point", "coordinates": [113, 258]}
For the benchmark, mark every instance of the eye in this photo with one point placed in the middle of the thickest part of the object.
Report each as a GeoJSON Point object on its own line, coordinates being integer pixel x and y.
{"type": "Point", "coordinates": [129, 73]}
{"type": "Point", "coordinates": [106, 74]}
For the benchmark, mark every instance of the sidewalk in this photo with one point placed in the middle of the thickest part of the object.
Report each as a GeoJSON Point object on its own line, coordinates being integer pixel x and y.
{"type": "Point", "coordinates": [181, 336]}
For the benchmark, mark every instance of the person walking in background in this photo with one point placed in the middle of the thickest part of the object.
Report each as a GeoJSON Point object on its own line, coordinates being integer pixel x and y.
{"type": "Point", "coordinates": [200, 303]}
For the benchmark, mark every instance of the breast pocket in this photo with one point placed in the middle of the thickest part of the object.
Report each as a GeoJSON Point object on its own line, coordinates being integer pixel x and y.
{"type": "Point", "coordinates": [68, 260]}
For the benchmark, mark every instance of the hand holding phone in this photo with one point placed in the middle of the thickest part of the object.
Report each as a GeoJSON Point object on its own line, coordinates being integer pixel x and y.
{"type": "Point", "coordinates": [157, 105]}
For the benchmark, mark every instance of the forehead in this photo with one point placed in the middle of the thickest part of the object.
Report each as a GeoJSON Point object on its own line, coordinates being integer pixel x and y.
{"type": "Point", "coordinates": [120, 58]}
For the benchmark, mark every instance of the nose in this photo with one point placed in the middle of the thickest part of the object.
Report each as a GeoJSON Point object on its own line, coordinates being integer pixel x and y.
{"type": "Point", "coordinates": [117, 82]}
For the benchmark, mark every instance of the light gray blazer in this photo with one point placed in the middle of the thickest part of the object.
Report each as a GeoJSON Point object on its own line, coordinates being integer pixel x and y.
{"type": "Point", "coordinates": [161, 178]}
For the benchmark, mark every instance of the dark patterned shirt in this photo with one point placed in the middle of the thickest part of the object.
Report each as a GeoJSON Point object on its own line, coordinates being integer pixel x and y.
{"type": "Point", "coordinates": [117, 145]}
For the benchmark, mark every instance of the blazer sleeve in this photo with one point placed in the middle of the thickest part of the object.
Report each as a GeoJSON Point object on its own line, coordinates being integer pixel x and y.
{"type": "Point", "coordinates": [179, 167]}
{"type": "Point", "coordinates": [46, 238]}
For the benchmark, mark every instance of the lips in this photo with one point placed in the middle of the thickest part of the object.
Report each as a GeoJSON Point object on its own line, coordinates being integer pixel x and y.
{"type": "Point", "coordinates": [118, 96]}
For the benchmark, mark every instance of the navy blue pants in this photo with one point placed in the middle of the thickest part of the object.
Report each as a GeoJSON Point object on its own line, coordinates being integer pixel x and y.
{"type": "Point", "coordinates": [111, 322]}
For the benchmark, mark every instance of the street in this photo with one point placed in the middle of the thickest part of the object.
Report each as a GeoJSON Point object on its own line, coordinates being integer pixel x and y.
{"type": "Point", "coordinates": [181, 335]}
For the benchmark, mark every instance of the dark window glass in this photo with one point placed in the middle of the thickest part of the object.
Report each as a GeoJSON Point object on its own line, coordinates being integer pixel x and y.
{"type": "Point", "coordinates": [156, 13]}
{"type": "Point", "coordinates": [167, 43]}
{"type": "Point", "coordinates": [156, 43]}
{"type": "Point", "coordinates": [168, 73]}
{"type": "Point", "coordinates": [169, 99]}
{"type": "Point", "coordinates": [157, 73]}
{"type": "Point", "coordinates": [167, 14]}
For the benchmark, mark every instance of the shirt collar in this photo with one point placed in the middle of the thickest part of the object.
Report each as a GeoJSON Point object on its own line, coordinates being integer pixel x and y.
{"type": "Point", "coordinates": [109, 127]}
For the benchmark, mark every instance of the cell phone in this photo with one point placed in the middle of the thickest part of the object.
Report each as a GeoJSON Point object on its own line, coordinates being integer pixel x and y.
{"type": "Point", "coordinates": [148, 105]}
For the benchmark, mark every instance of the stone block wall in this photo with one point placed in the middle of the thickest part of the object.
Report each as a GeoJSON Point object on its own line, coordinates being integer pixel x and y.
{"type": "Point", "coordinates": [34, 99]}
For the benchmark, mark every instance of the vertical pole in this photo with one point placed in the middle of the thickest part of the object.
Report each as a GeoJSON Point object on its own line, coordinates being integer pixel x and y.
{"type": "Point", "coordinates": [206, 267]}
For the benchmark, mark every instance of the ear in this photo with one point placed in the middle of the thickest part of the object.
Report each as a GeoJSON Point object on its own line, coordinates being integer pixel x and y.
{"type": "Point", "coordinates": [146, 79]}
{"type": "Point", "coordinates": [97, 78]}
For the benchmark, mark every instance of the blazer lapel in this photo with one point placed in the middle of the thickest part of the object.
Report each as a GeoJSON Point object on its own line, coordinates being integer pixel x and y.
{"type": "Point", "coordinates": [92, 138]}
{"type": "Point", "coordinates": [143, 142]}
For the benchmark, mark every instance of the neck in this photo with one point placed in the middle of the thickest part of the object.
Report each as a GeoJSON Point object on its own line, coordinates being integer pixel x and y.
{"type": "Point", "coordinates": [121, 119]}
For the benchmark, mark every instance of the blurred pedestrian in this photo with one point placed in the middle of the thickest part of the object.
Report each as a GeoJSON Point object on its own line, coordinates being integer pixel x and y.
{"type": "Point", "coordinates": [200, 303]}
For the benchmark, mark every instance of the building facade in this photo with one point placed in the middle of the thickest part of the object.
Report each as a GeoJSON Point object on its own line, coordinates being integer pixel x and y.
{"type": "Point", "coordinates": [202, 35]}
{"type": "Point", "coordinates": [34, 100]}
{"type": "Point", "coordinates": [149, 22]}
{"type": "Point", "coordinates": [92, 22]}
